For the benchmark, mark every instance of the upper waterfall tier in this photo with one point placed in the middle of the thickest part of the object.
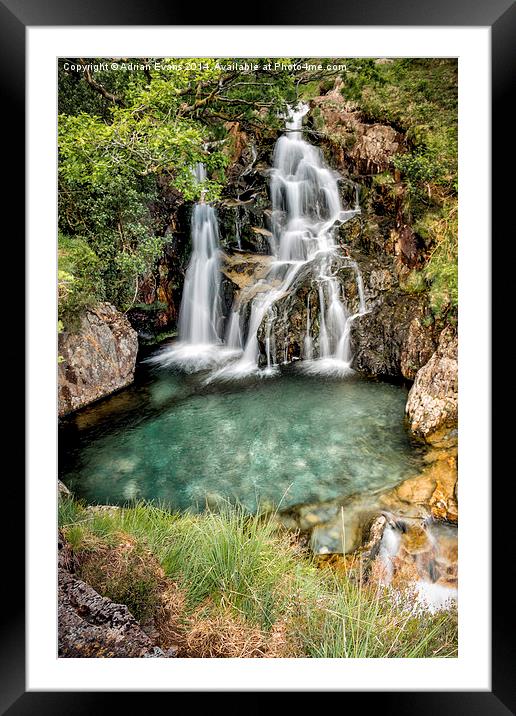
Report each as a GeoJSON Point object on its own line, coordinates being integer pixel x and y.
{"type": "Point", "coordinates": [306, 209]}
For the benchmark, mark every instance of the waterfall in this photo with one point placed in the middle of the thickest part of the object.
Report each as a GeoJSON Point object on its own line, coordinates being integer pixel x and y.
{"type": "Point", "coordinates": [199, 172]}
{"type": "Point", "coordinates": [234, 333]}
{"type": "Point", "coordinates": [432, 558]}
{"type": "Point", "coordinates": [306, 210]}
{"type": "Point", "coordinates": [200, 314]}
{"type": "Point", "coordinates": [308, 344]}
{"type": "Point", "coordinates": [237, 227]}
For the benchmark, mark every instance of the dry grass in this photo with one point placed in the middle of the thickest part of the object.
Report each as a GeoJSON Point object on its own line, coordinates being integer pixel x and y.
{"type": "Point", "coordinates": [126, 573]}
{"type": "Point", "coordinates": [234, 586]}
{"type": "Point", "coordinates": [212, 630]}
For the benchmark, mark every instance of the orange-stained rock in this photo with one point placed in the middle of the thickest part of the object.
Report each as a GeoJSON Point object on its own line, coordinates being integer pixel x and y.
{"type": "Point", "coordinates": [433, 491]}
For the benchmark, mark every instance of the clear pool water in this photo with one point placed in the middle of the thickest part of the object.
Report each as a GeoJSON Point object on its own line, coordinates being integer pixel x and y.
{"type": "Point", "coordinates": [284, 440]}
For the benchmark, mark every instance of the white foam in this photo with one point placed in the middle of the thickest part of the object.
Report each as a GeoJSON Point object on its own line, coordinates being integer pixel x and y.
{"type": "Point", "coordinates": [191, 358]}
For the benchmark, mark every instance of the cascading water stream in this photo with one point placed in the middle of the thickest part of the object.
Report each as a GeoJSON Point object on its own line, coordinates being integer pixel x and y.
{"type": "Point", "coordinates": [307, 343]}
{"type": "Point", "coordinates": [200, 314]}
{"type": "Point", "coordinates": [432, 549]}
{"type": "Point", "coordinates": [306, 209]}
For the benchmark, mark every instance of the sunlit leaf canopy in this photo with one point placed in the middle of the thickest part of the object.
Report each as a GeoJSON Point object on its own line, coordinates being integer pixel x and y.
{"type": "Point", "coordinates": [128, 127]}
{"type": "Point", "coordinates": [166, 117]}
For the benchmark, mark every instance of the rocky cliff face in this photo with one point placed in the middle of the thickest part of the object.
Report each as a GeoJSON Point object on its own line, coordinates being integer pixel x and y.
{"type": "Point", "coordinates": [96, 360]}
{"type": "Point", "coordinates": [358, 145]}
{"type": "Point", "coordinates": [395, 338]}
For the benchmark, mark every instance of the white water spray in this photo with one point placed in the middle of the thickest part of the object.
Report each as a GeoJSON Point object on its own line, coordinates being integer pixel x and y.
{"type": "Point", "coordinates": [306, 209]}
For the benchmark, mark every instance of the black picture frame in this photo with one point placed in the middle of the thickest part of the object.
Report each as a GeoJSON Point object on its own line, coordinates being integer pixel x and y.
{"type": "Point", "coordinates": [500, 16]}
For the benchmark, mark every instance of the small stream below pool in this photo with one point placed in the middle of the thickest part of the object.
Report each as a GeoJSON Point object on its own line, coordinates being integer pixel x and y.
{"type": "Point", "coordinates": [283, 440]}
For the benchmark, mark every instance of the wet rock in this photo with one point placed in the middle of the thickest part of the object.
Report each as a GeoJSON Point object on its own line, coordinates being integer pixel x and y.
{"type": "Point", "coordinates": [418, 345]}
{"type": "Point", "coordinates": [284, 328]}
{"type": "Point", "coordinates": [246, 225]}
{"type": "Point", "coordinates": [228, 292]}
{"type": "Point", "coordinates": [93, 626]}
{"type": "Point", "coordinates": [340, 535]}
{"type": "Point", "coordinates": [380, 279]}
{"type": "Point", "coordinates": [287, 521]}
{"type": "Point", "coordinates": [372, 545]}
{"type": "Point", "coordinates": [417, 554]}
{"type": "Point", "coordinates": [395, 338]}
{"type": "Point", "coordinates": [311, 515]}
{"type": "Point", "coordinates": [244, 210]}
{"type": "Point", "coordinates": [433, 492]}
{"type": "Point", "coordinates": [97, 360]}
{"type": "Point", "coordinates": [244, 269]}
{"type": "Point", "coordinates": [432, 403]}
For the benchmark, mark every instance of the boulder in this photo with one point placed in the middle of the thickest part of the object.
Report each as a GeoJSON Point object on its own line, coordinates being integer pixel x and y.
{"type": "Point", "coordinates": [361, 147]}
{"type": "Point", "coordinates": [432, 403]}
{"type": "Point", "coordinates": [62, 490]}
{"type": "Point", "coordinates": [90, 625]}
{"type": "Point", "coordinates": [395, 338]}
{"type": "Point", "coordinates": [94, 626]}
{"type": "Point", "coordinates": [98, 359]}
{"type": "Point", "coordinates": [433, 491]}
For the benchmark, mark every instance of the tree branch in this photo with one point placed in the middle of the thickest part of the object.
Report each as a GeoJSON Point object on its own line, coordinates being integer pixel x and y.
{"type": "Point", "coordinates": [97, 86]}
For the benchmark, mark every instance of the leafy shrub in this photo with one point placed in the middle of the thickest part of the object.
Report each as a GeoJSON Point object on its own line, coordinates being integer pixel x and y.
{"type": "Point", "coordinates": [79, 282]}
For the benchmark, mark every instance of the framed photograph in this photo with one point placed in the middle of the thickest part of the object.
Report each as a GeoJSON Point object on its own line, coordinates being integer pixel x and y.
{"type": "Point", "coordinates": [258, 290]}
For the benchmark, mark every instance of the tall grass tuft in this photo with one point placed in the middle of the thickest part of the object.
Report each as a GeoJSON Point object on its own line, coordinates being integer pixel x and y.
{"type": "Point", "coordinates": [229, 562]}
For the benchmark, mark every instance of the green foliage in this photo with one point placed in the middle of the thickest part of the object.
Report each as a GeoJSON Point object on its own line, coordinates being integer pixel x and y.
{"type": "Point", "coordinates": [417, 168]}
{"type": "Point", "coordinates": [125, 135]}
{"type": "Point", "coordinates": [151, 307]}
{"type": "Point", "coordinates": [357, 621]}
{"type": "Point", "coordinates": [70, 512]}
{"type": "Point", "coordinates": [362, 74]}
{"type": "Point", "coordinates": [419, 98]}
{"type": "Point", "coordinates": [246, 563]}
{"type": "Point", "coordinates": [230, 555]}
{"type": "Point", "coordinates": [441, 270]}
{"type": "Point", "coordinates": [79, 283]}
